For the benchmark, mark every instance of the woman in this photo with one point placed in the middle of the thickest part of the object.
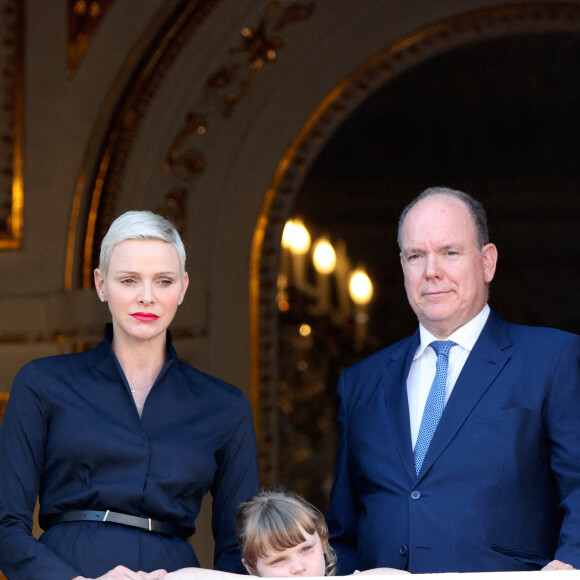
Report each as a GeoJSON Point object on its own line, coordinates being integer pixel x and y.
{"type": "Point", "coordinates": [121, 443]}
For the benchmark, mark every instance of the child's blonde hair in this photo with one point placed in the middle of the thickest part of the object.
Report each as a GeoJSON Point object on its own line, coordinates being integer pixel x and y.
{"type": "Point", "coordinates": [273, 519]}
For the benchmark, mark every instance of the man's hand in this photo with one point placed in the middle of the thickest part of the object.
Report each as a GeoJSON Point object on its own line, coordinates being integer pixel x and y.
{"type": "Point", "coordinates": [557, 565]}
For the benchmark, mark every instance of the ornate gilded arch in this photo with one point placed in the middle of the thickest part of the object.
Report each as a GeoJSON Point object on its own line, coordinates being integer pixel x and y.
{"type": "Point", "coordinates": [286, 183]}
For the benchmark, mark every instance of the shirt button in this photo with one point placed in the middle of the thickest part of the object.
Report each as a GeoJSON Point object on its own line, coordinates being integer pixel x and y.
{"type": "Point", "coordinates": [415, 494]}
{"type": "Point", "coordinates": [403, 550]}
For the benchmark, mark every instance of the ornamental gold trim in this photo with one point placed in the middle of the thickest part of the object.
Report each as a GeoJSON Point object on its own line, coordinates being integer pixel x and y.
{"type": "Point", "coordinates": [11, 124]}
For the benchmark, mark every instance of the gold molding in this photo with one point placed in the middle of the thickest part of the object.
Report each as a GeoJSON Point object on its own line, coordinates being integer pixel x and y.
{"type": "Point", "coordinates": [304, 149]}
{"type": "Point", "coordinates": [3, 401]}
{"type": "Point", "coordinates": [12, 118]}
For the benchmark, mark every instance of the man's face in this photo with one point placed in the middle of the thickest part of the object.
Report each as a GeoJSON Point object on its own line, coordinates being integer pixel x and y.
{"type": "Point", "coordinates": [446, 276]}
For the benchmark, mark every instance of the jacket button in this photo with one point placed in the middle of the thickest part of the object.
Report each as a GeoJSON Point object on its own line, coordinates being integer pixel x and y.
{"type": "Point", "coordinates": [415, 494]}
{"type": "Point", "coordinates": [403, 550]}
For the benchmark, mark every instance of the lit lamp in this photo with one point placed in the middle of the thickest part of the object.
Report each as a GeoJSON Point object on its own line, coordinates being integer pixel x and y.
{"type": "Point", "coordinates": [324, 259]}
{"type": "Point", "coordinates": [296, 238]}
{"type": "Point", "coordinates": [360, 289]}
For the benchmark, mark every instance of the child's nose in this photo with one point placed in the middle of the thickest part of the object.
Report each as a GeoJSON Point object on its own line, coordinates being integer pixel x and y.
{"type": "Point", "coordinates": [297, 566]}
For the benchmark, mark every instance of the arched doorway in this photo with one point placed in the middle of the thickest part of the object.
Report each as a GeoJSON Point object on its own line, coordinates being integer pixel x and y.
{"type": "Point", "coordinates": [484, 102]}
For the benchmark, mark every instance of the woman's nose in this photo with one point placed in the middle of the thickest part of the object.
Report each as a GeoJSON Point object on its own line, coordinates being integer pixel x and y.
{"type": "Point", "coordinates": [146, 295]}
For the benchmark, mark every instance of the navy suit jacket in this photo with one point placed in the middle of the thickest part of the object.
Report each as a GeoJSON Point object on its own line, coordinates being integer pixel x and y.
{"type": "Point", "coordinates": [499, 488]}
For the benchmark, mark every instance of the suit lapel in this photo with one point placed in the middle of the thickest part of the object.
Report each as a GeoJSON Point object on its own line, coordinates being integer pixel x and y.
{"type": "Point", "coordinates": [395, 384]}
{"type": "Point", "coordinates": [488, 357]}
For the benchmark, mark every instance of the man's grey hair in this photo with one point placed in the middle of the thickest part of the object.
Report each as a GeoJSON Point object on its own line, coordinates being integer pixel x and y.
{"type": "Point", "coordinates": [473, 206]}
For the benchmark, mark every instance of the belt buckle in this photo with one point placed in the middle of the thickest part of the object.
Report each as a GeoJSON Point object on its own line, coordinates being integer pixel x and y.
{"type": "Point", "coordinates": [149, 520]}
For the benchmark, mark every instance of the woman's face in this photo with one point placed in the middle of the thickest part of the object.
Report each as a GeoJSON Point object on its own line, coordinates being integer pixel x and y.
{"type": "Point", "coordinates": [143, 287]}
{"type": "Point", "coordinates": [305, 559]}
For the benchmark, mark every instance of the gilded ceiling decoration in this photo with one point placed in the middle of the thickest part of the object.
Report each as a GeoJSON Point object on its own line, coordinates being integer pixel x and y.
{"type": "Point", "coordinates": [84, 16]}
{"type": "Point", "coordinates": [11, 123]}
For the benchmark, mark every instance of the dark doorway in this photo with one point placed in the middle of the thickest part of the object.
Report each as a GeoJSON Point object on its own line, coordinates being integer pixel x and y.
{"type": "Point", "coordinates": [499, 119]}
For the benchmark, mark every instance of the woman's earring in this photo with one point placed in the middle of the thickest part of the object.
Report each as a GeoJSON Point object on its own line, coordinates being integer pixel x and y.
{"type": "Point", "coordinates": [179, 303]}
{"type": "Point", "coordinates": [102, 298]}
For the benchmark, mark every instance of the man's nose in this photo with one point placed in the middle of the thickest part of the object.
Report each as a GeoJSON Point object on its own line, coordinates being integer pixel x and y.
{"type": "Point", "coordinates": [432, 266]}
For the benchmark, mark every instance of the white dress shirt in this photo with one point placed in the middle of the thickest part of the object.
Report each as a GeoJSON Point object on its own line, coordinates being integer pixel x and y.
{"type": "Point", "coordinates": [422, 370]}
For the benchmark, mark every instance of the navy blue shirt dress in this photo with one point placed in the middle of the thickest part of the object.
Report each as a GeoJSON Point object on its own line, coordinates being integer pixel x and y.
{"type": "Point", "coordinates": [71, 434]}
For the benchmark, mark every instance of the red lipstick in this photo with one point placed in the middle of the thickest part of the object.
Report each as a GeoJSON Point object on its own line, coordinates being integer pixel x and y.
{"type": "Point", "coordinates": [145, 316]}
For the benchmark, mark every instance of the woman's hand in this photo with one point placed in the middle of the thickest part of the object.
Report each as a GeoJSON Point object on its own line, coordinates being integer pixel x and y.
{"type": "Point", "coordinates": [122, 573]}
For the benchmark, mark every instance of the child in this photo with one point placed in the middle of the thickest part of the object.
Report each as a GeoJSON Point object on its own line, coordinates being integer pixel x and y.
{"type": "Point", "coordinates": [280, 534]}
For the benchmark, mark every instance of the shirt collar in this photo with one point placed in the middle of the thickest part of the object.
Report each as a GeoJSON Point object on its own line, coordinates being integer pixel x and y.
{"type": "Point", "coordinates": [465, 336]}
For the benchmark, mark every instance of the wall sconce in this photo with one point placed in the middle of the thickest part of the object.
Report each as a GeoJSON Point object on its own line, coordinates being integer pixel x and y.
{"type": "Point", "coordinates": [324, 276]}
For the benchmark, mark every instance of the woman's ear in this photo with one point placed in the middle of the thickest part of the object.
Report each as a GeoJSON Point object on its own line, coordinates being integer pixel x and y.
{"type": "Point", "coordinates": [185, 284]}
{"type": "Point", "coordinates": [99, 284]}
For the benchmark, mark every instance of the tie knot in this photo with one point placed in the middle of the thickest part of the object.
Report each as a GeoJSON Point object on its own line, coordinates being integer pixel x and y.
{"type": "Point", "coordinates": [442, 347]}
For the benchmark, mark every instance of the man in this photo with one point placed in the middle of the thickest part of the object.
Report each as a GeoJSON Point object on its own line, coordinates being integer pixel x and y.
{"type": "Point", "coordinates": [489, 478]}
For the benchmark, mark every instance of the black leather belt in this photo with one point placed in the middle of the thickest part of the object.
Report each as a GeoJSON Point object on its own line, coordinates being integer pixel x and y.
{"type": "Point", "coordinates": [110, 517]}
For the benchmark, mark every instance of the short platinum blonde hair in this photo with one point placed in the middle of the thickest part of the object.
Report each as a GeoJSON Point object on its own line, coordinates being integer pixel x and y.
{"type": "Point", "coordinates": [140, 225]}
{"type": "Point", "coordinates": [273, 519]}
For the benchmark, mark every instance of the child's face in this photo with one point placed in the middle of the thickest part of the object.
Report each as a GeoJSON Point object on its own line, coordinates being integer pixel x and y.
{"type": "Point", "coordinates": [305, 559]}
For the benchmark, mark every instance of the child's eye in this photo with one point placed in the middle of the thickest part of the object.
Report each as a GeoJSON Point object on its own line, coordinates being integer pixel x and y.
{"type": "Point", "coordinates": [306, 548]}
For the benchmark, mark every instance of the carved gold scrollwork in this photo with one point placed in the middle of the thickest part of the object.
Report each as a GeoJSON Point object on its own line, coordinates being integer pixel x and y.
{"type": "Point", "coordinates": [174, 208]}
{"type": "Point", "coordinates": [190, 161]}
{"type": "Point", "coordinates": [84, 16]}
{"type": "Point", "coordinates": [260, 47]}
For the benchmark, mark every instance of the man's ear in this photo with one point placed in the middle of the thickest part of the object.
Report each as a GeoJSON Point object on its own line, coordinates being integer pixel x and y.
{"type": "Point", "coordinates": [249, 568]}
{"type": "Point", "coordinates": [489, 255]}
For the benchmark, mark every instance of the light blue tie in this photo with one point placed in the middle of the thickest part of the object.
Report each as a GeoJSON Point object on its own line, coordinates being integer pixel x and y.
{"type": "Point", "coordinates": [435, 401]}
